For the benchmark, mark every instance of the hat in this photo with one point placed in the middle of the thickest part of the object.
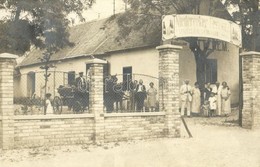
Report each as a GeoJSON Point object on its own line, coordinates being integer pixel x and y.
{"type": "Point", "coordinates": [80, 72]}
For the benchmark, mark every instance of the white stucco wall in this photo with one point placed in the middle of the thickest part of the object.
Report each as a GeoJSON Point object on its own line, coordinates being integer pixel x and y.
{"type": "Point", "coordinates": [144, 61]}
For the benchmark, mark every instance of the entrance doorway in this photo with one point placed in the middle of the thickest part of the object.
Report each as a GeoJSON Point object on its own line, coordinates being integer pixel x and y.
{"type": "Point", "coordinates": [211, 75]}
{"type": "Point", "coordinates": [127, 77]}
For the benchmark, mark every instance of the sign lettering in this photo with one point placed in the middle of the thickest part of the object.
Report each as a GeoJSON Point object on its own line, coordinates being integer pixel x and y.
{"type": "Point", "coordinates": [178, 26]}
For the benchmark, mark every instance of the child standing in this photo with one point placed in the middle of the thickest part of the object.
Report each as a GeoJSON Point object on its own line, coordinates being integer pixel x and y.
{"type": "Point", "coordinates": [212, 104]}
{"type": "Point", "coordinates": [49, 108]}
{"type": "Point", "coordinates": [205, 108]}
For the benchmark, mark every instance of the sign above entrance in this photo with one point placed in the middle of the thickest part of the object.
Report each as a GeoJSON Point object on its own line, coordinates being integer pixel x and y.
{"type": "Point", "coordinates": [178, 26]}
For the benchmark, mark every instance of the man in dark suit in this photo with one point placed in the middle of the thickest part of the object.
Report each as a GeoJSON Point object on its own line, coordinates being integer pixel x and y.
{"type": "Point", "coordinates": [81, 93]}
{"type": "Point", "coordinates": [140, 96]}
{"type": "Point", "coordinates": [81, 82]}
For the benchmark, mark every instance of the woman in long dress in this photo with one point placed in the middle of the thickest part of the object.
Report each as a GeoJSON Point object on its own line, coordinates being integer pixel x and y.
{"type": "Point", "coordinates": [151, 97]}
{"type": "Point", "coordinates": [216, 90]}
{"type": "Point", "coordinates": [219, 100]}
{"type": "Point", "coordinates": [225, 99]}
{"type": "Point", "coordinates": [49, 108]}
{"type": "Point", "coordinates": [196, 101]}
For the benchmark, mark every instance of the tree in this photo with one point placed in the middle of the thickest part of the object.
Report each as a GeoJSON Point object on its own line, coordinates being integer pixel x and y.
{"type": "Point", "coordinates": [145, 16]}
{"type": "Point", "coordinates": [42, 23]}
{"type": "Point", "coordinates": [247, 14]}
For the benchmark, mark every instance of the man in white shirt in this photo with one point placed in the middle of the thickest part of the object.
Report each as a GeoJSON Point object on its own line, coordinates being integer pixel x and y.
{"type": "Point", "coordinates": [186, 97]}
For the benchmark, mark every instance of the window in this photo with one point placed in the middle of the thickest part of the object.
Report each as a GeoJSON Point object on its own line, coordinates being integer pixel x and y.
{"type": "Point", "coordinates": [30, 84]}
{"type": "Point", "coordinates": [71, 77]}
{"type": "Point", "coordinates": [211, 74]}
{"type": "Point", "coordinates": [106, 69]}
{"type": "Point", "coordinates": [127, 77]}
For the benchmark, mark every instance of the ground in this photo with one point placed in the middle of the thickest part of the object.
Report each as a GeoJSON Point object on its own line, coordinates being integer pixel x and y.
{"type": "Point", "coordinates": [216, 142]}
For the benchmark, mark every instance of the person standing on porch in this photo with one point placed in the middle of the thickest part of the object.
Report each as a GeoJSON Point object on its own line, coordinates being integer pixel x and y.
{"type": "Point", "coordinates": [186, 97]}
{"type": "Point", "coordinates": [216, 90]}
{"type": "Point", "coordinates": [132, 87]}
{"type": "Point", "coordinates": [151, 97]}
{"type": "Point", "coordinates": [109, 94]}
{"type": "Point", "coordinates": [225, 99]}
{"type": "Point", "coordinates": [207, 91]}
{"type": "Point", "coordinates": [196, 100]}
{"type": "Point", "coordinates": [212, 105]}
{"type": "Point", "coordinates": [140, 96]}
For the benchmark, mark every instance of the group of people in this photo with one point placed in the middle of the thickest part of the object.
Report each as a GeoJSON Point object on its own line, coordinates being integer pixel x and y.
{"type": "Point", "coordinates": [142, 94]}
{"type": "Point", "coordinates": [212, 100]}
{"type": "Point", "coordinates": [135, 95]}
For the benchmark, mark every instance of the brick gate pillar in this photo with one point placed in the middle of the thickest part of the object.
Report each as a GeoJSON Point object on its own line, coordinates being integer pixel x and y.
{"type": "Point", "coordinates": [169, 85]}
{"type": "Point", "coordinates": [96, 98]}
{"type": "Point", "coordinates": [7, 62]}
{"type": "Point", "coordinates": [251, 89]}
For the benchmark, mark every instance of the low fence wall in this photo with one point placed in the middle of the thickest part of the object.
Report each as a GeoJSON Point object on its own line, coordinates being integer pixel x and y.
{"type": "Point", "coordinates": [134, 126]}
{"type": "Point", "coordinates": [53, 130]}
{"type": "Point", "coordinates": [96, 126]}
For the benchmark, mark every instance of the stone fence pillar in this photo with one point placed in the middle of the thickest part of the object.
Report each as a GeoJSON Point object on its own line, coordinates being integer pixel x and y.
{"type": "Point", "coordinates": [251, 89]}
{"type": "Point", "coordinates": [96, 98]}
{"type": "Point", "coordinates": [169, 83]}
{"type": "Point", "coordinates": [7, 62]}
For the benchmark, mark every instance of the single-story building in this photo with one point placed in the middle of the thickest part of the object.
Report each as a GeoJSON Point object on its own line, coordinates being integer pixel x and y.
{"type": "Point", "coordinates": [133, 56]}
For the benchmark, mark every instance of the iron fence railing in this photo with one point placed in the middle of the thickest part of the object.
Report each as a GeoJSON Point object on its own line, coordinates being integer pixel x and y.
{"type": "Point", "coordinates": [120, 93]}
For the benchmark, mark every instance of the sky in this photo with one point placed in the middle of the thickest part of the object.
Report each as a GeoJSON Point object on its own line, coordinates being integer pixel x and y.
{"type": "Point", "coordinates": [104, 8]}
{"type": "Point", "coordinates": [101, 9]}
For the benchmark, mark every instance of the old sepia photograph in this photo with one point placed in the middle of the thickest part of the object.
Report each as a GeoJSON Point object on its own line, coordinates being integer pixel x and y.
{"type": "Point", "coordinates": [129, 83]}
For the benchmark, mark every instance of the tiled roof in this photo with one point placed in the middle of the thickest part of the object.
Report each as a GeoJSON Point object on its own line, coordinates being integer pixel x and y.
{"type": "Point", "coordinates": [94, 38]}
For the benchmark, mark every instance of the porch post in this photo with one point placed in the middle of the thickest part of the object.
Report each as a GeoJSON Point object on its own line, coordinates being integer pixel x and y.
{"type": "Point", "coordinates": [251, 89]}
{"type": "Point", "coordinates": [7, 62]}
{"type": "Point", "coordinates": [169, 87]}
{"type": "Point", "coordinates": [96, 98]}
